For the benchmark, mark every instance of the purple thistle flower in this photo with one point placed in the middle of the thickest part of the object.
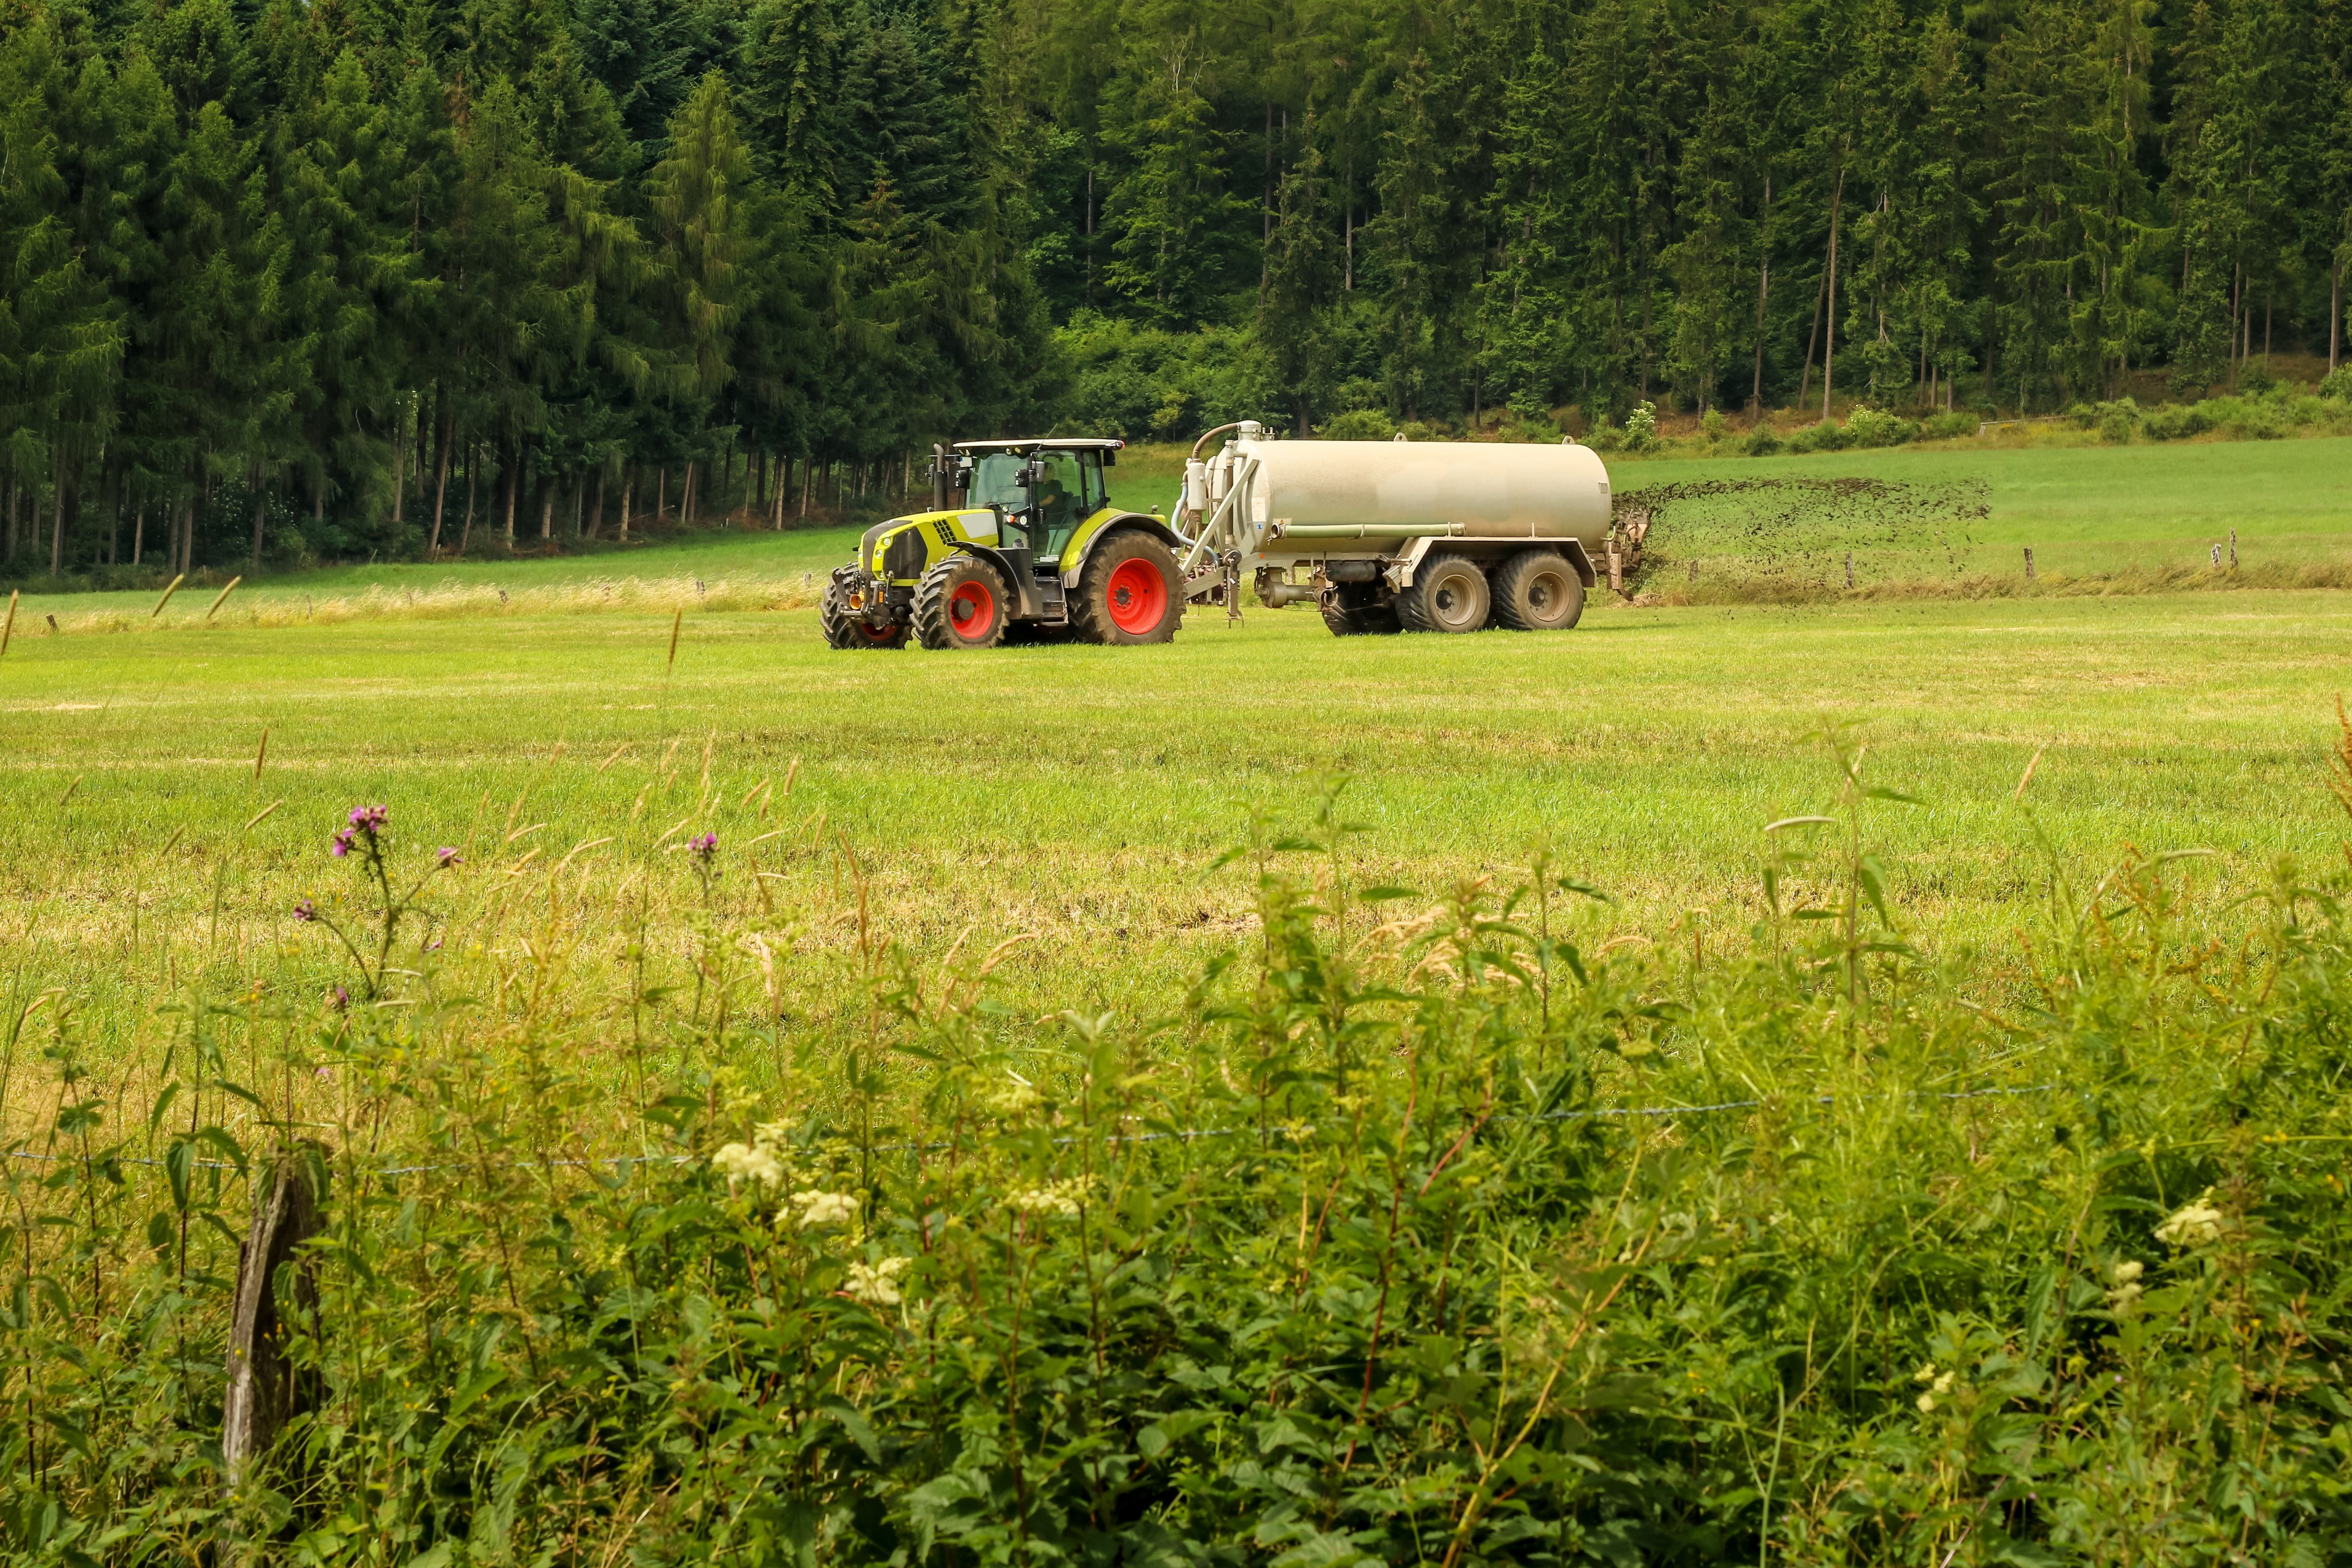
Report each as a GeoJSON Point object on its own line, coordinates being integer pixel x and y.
{"type": "Point", "coordinates": [338, 998]}
{"type": "Point", "coordinates": [705, 847]}
{"type": "Point", "coordinates": [342, 843]}
{"type": "Point", "coordinates": [369, 819]}
{"type": "Point", "coordinates": [306, 910]}
{"type": "Point", "coordinates": [449, 857]}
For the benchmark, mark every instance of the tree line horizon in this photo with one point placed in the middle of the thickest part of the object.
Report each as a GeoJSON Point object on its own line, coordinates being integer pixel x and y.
{"type": "Point", "coordinates": [283, 279]}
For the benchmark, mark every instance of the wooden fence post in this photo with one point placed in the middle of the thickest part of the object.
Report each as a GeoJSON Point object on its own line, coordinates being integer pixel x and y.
{"type": "Point", "coordinates": [265, 1390]}
{"type": "Point", "coordinates": [1848, 569]}
{"type": "Point", "coordinates": [2029, 563]}
{"type": "Point", "coordinates": [2233, 550]}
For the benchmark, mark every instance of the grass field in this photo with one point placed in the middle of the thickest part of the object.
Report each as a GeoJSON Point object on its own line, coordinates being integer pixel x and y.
{"type": "Point", "coordinates": [1080, 793]}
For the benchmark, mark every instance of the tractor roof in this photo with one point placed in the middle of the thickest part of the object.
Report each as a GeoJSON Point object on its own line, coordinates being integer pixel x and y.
{"type": "Point", "coordinates": [1034, 443]}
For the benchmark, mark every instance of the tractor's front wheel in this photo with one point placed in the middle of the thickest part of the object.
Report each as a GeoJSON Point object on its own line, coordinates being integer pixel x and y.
{"type": "Point", "coordinates": [844, 630]}
{"type": "Point", "coordinates": [1130, 593]}
{"type": "Point", "coordinates": [961, 603]}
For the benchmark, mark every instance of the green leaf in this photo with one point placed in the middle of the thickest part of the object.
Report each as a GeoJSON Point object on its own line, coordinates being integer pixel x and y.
{"type": "Point", "coordinates": [1382, 895]}
{"type": "Point", "coordinates": [1879, 791]}
{"type": "Point", "coordinates": [1873, 877]}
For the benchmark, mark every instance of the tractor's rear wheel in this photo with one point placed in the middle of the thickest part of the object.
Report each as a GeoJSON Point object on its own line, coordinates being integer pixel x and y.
{"type": "Point", "coordinates": [1539, 590]}
{"type": "Point", "coordinates": [844, 630]}
{"type": "Point", "coordinates": [1448, 595]}
{"type": "Point", "coordinates": [1356, 609]}
{"type": "Point", "coordinates": [961, 603]}
{"type": "Point", "coordinates": [1130, 593]}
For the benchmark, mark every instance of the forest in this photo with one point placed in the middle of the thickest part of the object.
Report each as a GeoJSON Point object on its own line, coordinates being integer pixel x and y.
{"type": "Point", "coordinates": [284, 281]}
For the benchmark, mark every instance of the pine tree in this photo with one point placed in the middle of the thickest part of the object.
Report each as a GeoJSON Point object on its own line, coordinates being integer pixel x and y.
{"type": "Point", "coordinates": [1704, 263]}
{"type": "Point", "coordinates": [1166, 213]}
{"type": "Point", "coordinates": [1302, 286]}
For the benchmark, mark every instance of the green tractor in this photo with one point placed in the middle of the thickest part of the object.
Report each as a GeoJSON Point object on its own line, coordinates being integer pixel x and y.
{"type": "Point", "coordinates": [1021, 544]}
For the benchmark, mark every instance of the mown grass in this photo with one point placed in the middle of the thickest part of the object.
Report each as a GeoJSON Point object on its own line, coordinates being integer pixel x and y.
{"type": "Point", "coordinates": [1079, 793]}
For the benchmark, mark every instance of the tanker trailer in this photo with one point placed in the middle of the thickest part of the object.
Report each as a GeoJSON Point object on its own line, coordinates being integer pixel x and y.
{"type": "Point", "coordinates": [1399, 535]}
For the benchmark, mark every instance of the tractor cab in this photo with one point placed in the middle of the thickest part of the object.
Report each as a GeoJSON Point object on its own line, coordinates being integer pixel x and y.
{"type": "Point", "coordinates": [1021, 544]}
{"type": "Point", "coordinates": [1041, 492]}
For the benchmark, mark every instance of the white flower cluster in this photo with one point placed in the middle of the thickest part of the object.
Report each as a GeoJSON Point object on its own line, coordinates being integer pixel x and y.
{"type": "Point", "coordinates": [759, 1160]}
{"type": "Point", "coordinates": [1939, 1384]}
{"type": "Point", "coordinates": [2198, 1225]}
{"type": "Point", "coordinates": [1052, 1198]}
{"type": "Point", "coordinates": [2126, 1292]}
{"type": "Point", "coordinates": [1009, 1098]}
{"type": "Point", "coordinates": [818, 1208]}
{"type": "Point", "coordinates": [749, 1163]}
{"type": "Point", "coordinates": [876, 1284]}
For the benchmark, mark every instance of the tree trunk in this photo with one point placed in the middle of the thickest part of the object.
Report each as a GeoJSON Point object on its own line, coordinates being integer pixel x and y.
{"type": "Point", "coordinates": [57, 519]}
{"type": "Point", "coordinates": [1829, 338]}
{"type": "Point", "coordinates": [260, 514]}
{"type": "Point", "coordinates": [1763, 287]}
{"type": "Point", "coordinates": [399, 473]}
{"type": "Point", "coordinates": [473, 461]}
{"type": "Point", "coordinates": [628, 499]}
{"type": "Point", "coordinates": [513, 477]}
{"type": "Point", "coordinates": [443, 428]}
{"type": "Point", "coordinates": [602, 469]}
{"type": "Point", "coordinates": [547, 508]}
{"type": "Point", "coordinates": [661, 495]}
{"type": "Point", "coordinates": [138, 532]}
{"type": "Point", "coordinates": [686, 497]}
{"type": "Point", "coordinates": [2335, 315]}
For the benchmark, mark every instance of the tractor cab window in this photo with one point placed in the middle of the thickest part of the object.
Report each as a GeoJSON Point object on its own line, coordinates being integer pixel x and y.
{"type": "Point", "coordinates": [1065, 488]}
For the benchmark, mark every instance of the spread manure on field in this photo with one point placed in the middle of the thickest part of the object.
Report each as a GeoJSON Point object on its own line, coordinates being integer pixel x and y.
{"type": "Point", "coordinates": [1792, 537]}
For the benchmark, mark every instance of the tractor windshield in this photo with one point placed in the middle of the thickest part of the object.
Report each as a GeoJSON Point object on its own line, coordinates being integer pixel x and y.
{"type": "Point", "coordinates": [1065, 488]}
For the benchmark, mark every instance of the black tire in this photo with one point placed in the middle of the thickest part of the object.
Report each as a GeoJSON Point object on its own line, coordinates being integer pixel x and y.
{"type": "Point", "coordinates": [1116, 606]}
{"type": "Point", "coordinates": [1537, 591]}
{"type": "Point", "coordinates": [1356, 609]}
{"type": "Point", "coordinates": [1448, 595]}
{"type": "Point", "coordinates": [846, 632]}
{"type": "Point", "coordinates": [961, 602]}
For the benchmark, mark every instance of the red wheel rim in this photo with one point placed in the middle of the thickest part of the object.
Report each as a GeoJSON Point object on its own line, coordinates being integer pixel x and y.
{"type": "Point", "coordinates": [972, 610]}
{"type": "Point", "coordinates": [1138, 596]}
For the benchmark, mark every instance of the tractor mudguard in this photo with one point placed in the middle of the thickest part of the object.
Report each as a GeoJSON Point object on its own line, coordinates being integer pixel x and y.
{"type": "Point", "coordinates": [1082, 542]}
{"type": "Point", "coordinates": [1029, 604]}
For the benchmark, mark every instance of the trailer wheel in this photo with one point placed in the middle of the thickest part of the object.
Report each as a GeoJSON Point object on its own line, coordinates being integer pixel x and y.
{"type": "Point", "coordinates": [845, 631]}
{"type": "Point", "coordinates": [1448, 595]}
{"type": "Point", "coordinates": [961, 602]}
{"type": "Point", "coordinates": [1539, 590]}
{"type": "Point", "coordinates": [1130, 593]}
{"type": "Point", "coordinates": [1356, 609]}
